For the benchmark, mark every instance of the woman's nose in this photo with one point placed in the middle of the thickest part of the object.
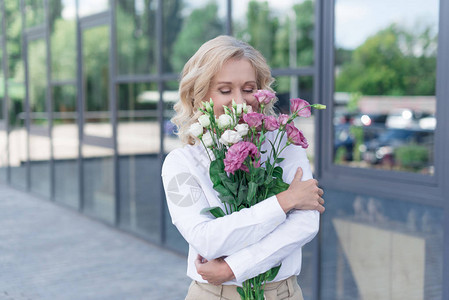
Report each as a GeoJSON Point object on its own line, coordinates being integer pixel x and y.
{"type": "Point", "coordinates": [238, 98]}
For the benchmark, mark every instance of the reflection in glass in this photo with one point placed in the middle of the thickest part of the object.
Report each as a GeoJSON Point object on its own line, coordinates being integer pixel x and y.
{"type": "Point", "coordinates": [136, 34]}
{"type": "Point", "coordinates": [380, 249]}
{"type": "Point", "coordinates": [288, 87]}
{"type": "Point", "coordinates": [170, 97]}
{"type": "Point", "coordinates": [34, 12]}
{"type": "Point", "coordinates": [187, 27]}
{"type": "Point", "coordinates": [89, 7]}
{"type": "Point", "coordinates": [96, 78]}
{"type": "Point", "coordinates": [138, 147]}
{"type": "Point", "coordinates": [39, 139]}
{"type": "Point", "coordinates": [385, 73]}
{"type": "Point", "coordinates": [65, 145]}
{"type": "Point", "coordinates": [283, 32]}
{"type": "Point", "coordinates": [97, 152]}
{"type": "Point", "coordinates": [3, 132]}
{"type": "Point", "coordinates": [63, 39]}
{"type": "Point", "coordinates": [16, 94]}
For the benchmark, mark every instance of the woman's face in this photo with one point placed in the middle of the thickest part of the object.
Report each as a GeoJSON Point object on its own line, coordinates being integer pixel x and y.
{"type": "Point", "coordinates": [236, 80]}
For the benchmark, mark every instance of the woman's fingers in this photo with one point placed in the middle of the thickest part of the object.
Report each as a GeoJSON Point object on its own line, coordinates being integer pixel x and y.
{"type": "Point", "coordinates": [298, 174]}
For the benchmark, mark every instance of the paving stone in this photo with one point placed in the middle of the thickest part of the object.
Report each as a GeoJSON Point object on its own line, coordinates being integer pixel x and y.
{"type": "Point", "coordinates": [51, 252]}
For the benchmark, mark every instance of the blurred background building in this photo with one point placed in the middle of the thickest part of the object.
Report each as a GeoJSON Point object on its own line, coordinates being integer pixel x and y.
{"type": "Point", "coordinates": [86, 96]}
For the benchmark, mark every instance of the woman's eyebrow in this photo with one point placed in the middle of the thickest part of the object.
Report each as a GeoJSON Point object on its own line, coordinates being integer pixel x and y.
{"type": "Point", "coordinates": [228, 82]}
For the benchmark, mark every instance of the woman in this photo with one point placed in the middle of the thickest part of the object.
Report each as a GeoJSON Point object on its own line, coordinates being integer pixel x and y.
{"type": "Point", "coordinates": [226, 251]}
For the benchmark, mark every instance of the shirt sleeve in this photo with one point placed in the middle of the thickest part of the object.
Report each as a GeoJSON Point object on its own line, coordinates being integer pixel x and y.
{"type": "Point", "coordinates": [210, 237]}
{"type": "Point", "coordinates": [300, 227]}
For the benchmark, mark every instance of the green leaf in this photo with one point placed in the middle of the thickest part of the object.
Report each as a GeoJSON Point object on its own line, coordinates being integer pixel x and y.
{"type": "Point", "coordinates": [215, 169]}
{"type": "Point", "coordinates": [252, 188]}
{"type": "Point", "coordinates": [273, 272]}
{"type": "Point", "coordinates": [228, 183]}
{"type": "Point", "coordinates": [277, 172]}
{"type": "Point", "coordinates": [240, 291]}
{"type": "Point", "coordinates": [243, 194]}
{"type": "Point", "coordinates": [279, 160]}
{"type": "Point", "coordinates": [222, 190]}
{"type": "Point", "coordinates": [259, 176]}
{"type": "Point", "coordinates": [227, 198]}
{"type": "Point", "coordinates": [216, 211]}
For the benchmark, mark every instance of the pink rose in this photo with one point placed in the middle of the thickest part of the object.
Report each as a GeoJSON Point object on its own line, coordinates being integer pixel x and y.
{"type": "Point", "coordinates": [253, 119]}
{"type": "Point", "coordinates": [237, 154]}
{"type": "Point", "coordinates": [299, 106]}
{"type": "Point", "coordinates": [282, 119]}
{"type": "Point", "coordinates": [295, 136]}
{"type": "Point", "coordinates": [270, 123]}
{"type": "Point", "coordinates": [264, 96]}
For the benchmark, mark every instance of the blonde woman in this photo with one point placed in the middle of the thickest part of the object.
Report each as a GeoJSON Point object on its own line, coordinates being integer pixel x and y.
{"type": "Point", "coordinates": [226, 251]}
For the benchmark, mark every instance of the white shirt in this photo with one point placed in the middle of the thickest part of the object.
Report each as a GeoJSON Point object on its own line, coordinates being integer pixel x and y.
{"type": "Point", "coordinates": [254, 239]}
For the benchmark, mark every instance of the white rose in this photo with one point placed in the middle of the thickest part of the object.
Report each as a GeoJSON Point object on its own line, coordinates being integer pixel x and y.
{"type": "Point", "coordinates": [207, 139]}
{"type": "Point", "coordinates": [204, 121]}
{"type": "Point", "coordinates": [196, 129]}
{"type": "Point", "coordinates": [230, 137]}
{"type": "Point", "coordinates": [224, 121]}
{"type": "Point", "coordinates": [242, 129]}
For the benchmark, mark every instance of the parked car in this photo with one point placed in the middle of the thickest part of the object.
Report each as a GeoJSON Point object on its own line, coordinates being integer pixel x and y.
{"type": "Point", "coordinates": [382, 149]}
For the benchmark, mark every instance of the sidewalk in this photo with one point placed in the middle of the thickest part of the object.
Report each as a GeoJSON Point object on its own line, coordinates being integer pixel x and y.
{"type": "Point", "coordinates": [50, 252]}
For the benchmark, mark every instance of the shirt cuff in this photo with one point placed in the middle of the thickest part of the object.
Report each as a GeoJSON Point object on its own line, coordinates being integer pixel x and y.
{"type": "Point", "coordinates": [239, 264]}
{"type": "Point", "coordinates": [271, 210]}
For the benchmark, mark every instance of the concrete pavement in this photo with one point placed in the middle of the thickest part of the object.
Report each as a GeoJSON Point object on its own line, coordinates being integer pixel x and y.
{"type": "Point", "coordinates": [52, 252]}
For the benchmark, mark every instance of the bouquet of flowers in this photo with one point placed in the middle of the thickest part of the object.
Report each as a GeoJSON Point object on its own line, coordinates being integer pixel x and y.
{"type": "Point", "coordinates": [238, 174]}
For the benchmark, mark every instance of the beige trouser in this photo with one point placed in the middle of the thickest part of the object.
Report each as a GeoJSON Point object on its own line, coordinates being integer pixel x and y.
{"type": "Point", "coordinates": [281, 290]}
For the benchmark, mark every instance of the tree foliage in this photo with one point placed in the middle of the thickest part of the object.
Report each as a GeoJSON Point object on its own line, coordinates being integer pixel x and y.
{"type": "Point", "coordinates": [394, 61]}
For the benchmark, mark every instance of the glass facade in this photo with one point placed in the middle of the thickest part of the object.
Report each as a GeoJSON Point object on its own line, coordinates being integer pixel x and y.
{"type": "Point", "coordinates": [87, 90]}
{"type": "Point", "coordinates": [385, 85]}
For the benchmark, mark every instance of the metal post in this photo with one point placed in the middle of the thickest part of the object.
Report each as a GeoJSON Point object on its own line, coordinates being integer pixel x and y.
{"type": "Point", "coordinates": [5, 86]}
{"type": "Point", "coordinates": [49, 94]}
{"type": "Point", "coordinates": [113, 107]}
{"type": "Point", "coordinates": [160, 108]}
{"type": "Point", "coordinates": [80, 107]}
{"type": "Point", "coordinates": [27, 94]}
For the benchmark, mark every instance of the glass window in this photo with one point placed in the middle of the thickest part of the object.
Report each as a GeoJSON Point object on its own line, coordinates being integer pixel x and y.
{"type": "Point", "coordinates": [385, 73]}
{"type": "Point", "coordinates": [380, 249]}
{"type": "Point", "coordinates": [139, 147]}
{"type": "Point", "coordinates": [187, 25]}
{"type": "Point", "coordinates": [89, 7]}
{"type": "Point", "coordinates": [170, 97]}
{"type": "Point", "coordinates": [34, 12]}
{"type": "Point", "coordinates": [282, 31]}
{"type": "Point", "coordinates": [96, 78]}
{"type": "Point", "coordinates": [39, 138]}
{"type": "Point", "coordinates": [65, 145]}
{"type": "Point", "coordinates": [63, 39]}
{"type": "Point", "coordinates": [3, 126]}
{"type": "Point", "coordinates": [16, 94]}
{"type": "Point", "coordinates": [136, 37]}
{"type": "Point", "coordinates": [288, 87]}
{"type": "Point", "coordinates": [97, 148]}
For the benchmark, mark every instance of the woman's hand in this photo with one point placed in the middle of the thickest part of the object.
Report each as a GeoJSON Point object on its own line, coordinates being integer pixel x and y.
{"type": "Point", "coordinates": [304, 195]}
{"type": "Point", "coordinates": [215, 271]}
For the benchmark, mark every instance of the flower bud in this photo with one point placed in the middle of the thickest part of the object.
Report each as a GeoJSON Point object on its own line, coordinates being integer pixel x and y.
{"type": "Point", "coordinates": [319, 106]}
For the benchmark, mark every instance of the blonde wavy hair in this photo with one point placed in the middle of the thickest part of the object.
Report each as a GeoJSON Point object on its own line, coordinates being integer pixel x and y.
{"type": "Point", "coordinates": [199, 71]}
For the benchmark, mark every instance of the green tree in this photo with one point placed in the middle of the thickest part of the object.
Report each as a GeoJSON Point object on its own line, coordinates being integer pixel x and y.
{"type": "Point", "coordinates": [394, 61]}
{"type": "Point", "coordinates": [202, 25]}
